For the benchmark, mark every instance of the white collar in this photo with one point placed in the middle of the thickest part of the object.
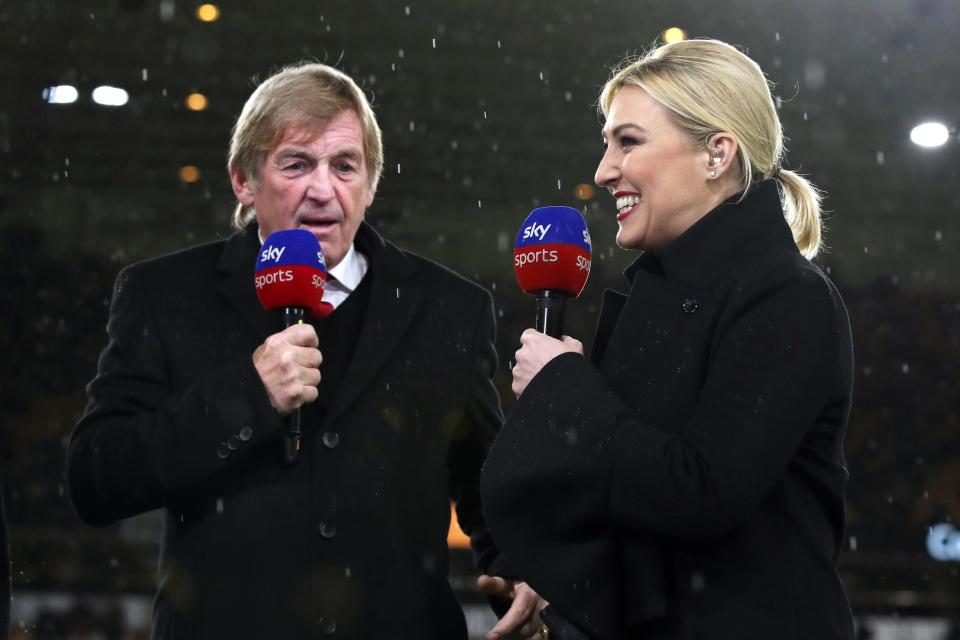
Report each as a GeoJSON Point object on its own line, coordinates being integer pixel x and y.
{"type": "Point", "coordinates": [350, 271]}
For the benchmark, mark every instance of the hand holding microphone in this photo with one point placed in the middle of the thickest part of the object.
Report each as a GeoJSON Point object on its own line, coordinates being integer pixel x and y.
{"type": "Point", "coordinates": [289, 276]}
{"type": "Point", "coordinates": [552, 261]}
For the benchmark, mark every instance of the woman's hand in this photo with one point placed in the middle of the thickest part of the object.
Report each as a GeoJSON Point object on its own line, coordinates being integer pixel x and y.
{"type": "Point", "coordinates": [522, 621]}
{"type": "Point", "coordinates": [536, 350]}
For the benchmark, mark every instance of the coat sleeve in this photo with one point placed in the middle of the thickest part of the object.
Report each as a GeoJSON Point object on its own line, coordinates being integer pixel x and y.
{"type": "Point", "coordinates": [140, 444]}
{"type": "Point", "coordinates": [482, 418]}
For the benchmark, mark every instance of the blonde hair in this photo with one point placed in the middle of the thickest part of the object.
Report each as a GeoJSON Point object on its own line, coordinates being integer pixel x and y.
{"type": "Point", "coordinates": [710, 87]}
{"type": "Point", "coordinates": [307, 97]}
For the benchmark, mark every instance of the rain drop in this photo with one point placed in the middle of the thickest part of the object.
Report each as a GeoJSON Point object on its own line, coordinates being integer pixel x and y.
{"type": "Point", "coordinates": [880, 158]}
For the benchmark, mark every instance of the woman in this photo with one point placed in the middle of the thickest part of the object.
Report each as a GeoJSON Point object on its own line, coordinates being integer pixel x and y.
{"type": "Point", "coordinates": [686, 481]}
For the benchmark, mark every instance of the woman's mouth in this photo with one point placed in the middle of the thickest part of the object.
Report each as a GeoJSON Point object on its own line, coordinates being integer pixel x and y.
{"type": "Point", "coordinates": [626, 205]}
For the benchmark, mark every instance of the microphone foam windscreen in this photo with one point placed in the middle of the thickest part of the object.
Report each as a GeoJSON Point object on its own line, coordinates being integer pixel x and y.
{"type": "Point", "coordinates": [290, 271]}
{"type": "Point", "coordinates": [553, 251]}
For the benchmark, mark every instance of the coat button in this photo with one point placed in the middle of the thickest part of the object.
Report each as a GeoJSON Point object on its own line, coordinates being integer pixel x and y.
{"type": "Point", "coordinates": [331, 439]}
{"type": "Point", "coordinates": [222, 451]}
{"type": "Point", "coordinates": [233, 443]}
{"type": "Point", "coordinates": [690, 305]}
{"type": "Point", "coordinates": [327, 529]}
{"type": "Point", "coordinates": [328, 626]}
{"type": "Point", "coordinates": [245, 434]}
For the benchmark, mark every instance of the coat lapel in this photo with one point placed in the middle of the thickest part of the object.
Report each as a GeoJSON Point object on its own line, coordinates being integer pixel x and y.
{"type": "Point", "coordinates": [610, 310]}
{"type": "Point", "coordinates": [393, 305]}
{"type": "Point", "coordinates": [236, 267]}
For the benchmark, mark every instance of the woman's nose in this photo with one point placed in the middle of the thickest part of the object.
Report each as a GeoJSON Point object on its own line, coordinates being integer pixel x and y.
{"type": "Point", "coordinates": [607, 172]}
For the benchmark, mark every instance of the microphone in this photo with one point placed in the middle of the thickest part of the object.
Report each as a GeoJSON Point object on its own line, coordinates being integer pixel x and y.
{"type": "Point", "coordinates": [289, 275]}
{"type": "Point", "coordinates": [552, 261]}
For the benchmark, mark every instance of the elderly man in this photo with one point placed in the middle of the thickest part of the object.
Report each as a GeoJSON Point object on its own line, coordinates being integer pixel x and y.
{"type": "Point", "coordinates": [398, 408]}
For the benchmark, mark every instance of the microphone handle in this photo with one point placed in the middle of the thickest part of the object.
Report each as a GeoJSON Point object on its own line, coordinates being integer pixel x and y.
{"type": "Point", "coordinates": [550, 306]}
{"type": "Point", "coordinates": [291, 439]}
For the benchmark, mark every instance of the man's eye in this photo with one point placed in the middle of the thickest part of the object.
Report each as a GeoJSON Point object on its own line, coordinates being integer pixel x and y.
{"type": "Point", "coordinates": [345, 167]}
{"type": "Point", "coordinates": [296, 165]}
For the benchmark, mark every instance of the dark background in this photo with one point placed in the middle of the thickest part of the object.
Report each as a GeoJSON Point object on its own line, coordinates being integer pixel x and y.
{"type": "Point", "coordinates": [488, 110]}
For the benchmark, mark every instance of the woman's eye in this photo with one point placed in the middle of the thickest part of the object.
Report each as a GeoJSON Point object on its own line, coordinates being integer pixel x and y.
{"type": "Point", "coordinates": [629, 141]}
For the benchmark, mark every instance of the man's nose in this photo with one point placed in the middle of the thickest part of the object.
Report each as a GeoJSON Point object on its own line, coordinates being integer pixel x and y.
{"type": "Point", "coordinates": [321, 185]}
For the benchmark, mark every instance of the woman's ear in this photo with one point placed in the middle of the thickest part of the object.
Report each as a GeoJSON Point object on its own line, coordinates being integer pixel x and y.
{"type": "Point", "coordinates": [721, 154]}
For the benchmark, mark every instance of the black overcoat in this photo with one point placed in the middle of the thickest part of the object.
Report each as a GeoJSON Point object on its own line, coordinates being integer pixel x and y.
{"type": "Point", "coordinates": [351, 541]}
{"type": "Point", "coordinates": [687, 480]}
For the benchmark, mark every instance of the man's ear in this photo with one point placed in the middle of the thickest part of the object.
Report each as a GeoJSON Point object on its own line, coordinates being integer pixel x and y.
{"type": "Point", "coordinates": [243, 187]}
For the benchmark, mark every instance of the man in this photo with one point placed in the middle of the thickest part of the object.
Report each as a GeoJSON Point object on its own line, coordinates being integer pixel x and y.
{"type": "Point", "coordinates": [187, 410]}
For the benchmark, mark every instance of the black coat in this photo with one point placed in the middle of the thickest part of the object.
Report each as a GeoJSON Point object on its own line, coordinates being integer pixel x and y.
{"type": "Point", "coordinates": [352, 539]}
{"type": "Point", "coordinates": [687, 481]}
{"type": "Point", "coordinates": [4, 574]}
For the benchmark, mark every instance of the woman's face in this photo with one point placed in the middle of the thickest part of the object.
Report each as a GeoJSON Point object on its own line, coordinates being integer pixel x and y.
{"type": "Point", "coordinates": [658, 176]}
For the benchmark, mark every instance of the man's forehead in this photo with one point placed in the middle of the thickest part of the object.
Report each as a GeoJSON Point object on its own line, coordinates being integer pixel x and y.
{"type": "Point", "coordinates": [341, 131]}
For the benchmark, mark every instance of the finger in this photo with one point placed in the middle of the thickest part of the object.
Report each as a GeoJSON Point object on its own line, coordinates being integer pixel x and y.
{"type": "Point", "coordinates": [527, 336]}
{"type": "Point", "coordinates": [309, 394]}
{"type": "Point", "coordinates": [520, 610]}
{"type": "Point", "coordinates": [308, 356]}
{"type": "Point", "coordinates": [493, 585]}
{"type": "Point", "coordinates": [302, 335]}
{"type": "Point", "coordinates": [310, 377]}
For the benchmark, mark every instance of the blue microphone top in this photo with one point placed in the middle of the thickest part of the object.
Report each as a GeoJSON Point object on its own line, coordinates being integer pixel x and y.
{"type": "Point", "coordinates": [291, 247]}
{"type": "Point", "coordinates": [555, 225]}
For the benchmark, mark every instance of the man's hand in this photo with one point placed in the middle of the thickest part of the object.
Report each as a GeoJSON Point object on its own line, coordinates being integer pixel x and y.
{"type": "Point", "coordinates": [536, 350]}
{"type": "Point", "coordinates": [522, 620]}
{"type": "Point", "coordinates": [289, 366]}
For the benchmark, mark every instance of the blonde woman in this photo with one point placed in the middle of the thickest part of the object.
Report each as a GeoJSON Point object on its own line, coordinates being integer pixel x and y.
{"type": "Point", "coordinates": [686, 479]}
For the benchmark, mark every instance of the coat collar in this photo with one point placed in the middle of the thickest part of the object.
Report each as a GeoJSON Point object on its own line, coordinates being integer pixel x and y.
{"type": "Point", "coordinates": [393, 303]}
{"type": "Point", "coordinates": [722, 239]}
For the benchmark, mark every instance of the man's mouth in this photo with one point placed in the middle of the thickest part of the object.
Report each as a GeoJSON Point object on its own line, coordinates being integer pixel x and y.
{"type": "Point", "coordinates": [625, 204]}
{"type": "Point", "coordinates": [318, 224]}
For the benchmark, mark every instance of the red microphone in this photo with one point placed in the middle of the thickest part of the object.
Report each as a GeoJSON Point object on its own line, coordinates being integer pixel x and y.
{"type": "Point", "coordinates": [289, 275]}
{"type": "Point", "coordinates": [552, 261]}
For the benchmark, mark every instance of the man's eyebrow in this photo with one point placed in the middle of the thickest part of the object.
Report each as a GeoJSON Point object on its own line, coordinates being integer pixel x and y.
{"type": "Point", "coordinates": [292, 151]}
{"type": "Point", "coordinates": [354, 153]}
{"type": "Point", "coordinates": [620, 127]}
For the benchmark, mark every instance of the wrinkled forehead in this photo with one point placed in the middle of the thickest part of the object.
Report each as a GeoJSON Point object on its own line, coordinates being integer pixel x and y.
{"type": "Point", "coordinates": [342, 129]}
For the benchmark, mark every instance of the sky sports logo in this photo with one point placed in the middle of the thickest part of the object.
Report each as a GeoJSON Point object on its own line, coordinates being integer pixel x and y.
{"type": "Point", "coordinates": [300, 273]}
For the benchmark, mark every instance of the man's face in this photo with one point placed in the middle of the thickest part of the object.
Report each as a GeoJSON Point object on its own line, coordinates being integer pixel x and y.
{"type": "Point", "coordinates": [318, 183]}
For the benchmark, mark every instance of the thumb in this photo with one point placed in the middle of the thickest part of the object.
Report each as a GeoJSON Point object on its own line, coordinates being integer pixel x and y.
{"type": "Point", "coordinates": [494, 585]}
